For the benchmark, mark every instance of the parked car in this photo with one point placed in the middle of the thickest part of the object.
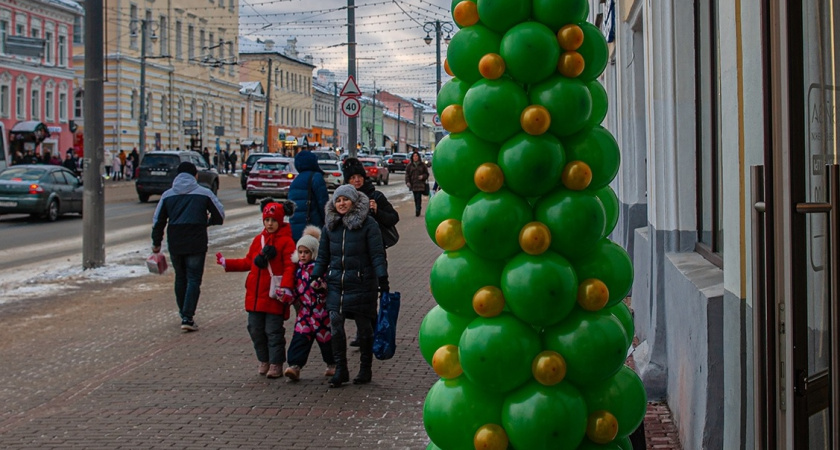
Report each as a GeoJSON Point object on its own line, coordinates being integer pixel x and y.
{"type": "Point", "coordinates": [397, 161]}
{"type": "Point", "coordinates": [158, 170]}
{"type": "Point", "coordinates": [325, 155]}
{"type": "Point", "coordinates": [427, 158]}
{"type": "Point", "coordinates": [333, 175]}
{"type": "Point", "coordinates": [270, 177]}
{"type": "Point", "coordinates": [377, 170]}
{"type": "Point", "coordinates": [40, 190]}
{"type": "Point", "coordinates": [248, 163]}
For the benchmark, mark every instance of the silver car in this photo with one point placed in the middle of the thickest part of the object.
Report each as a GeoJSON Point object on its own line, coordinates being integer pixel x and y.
{"type": "Point", "coordinates": [333, 175]}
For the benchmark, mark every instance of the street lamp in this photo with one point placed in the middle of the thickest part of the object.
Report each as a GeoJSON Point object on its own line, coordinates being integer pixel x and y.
{"type": "Point", "coordinates": [439, 28]}
{"type": "Point", "coordinates": [145, 27]}
{"type": "Point", "coordinates": [267, 103]}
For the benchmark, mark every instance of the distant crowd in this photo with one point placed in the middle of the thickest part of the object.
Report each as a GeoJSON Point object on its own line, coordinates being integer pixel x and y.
{"type": "Point", "coordinates": [71, 162]}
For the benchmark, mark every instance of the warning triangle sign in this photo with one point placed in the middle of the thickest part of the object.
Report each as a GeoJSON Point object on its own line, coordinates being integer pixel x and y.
{"type": "Point", "coordinates": [350, 89]}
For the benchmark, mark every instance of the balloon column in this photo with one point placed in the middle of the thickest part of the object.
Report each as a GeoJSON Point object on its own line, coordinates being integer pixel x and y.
{"type": "Point", "coordinates": [530, 333]}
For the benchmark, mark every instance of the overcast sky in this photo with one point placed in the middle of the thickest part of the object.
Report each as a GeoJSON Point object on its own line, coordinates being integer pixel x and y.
{"type": "Point", "coordinates": [389, 36]}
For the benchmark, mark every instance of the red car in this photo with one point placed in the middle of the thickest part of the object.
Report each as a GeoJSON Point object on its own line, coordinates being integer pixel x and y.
{"type": "Point", "coordinates": [270, 177]}
{"type": "Point", "coordinates": [377, 170]}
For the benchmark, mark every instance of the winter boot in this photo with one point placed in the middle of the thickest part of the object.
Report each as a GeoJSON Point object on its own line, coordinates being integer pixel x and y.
{"type": "Point", "coordinates": [339, 348]}
{"type": "Point", "coordinates": [366, 358]}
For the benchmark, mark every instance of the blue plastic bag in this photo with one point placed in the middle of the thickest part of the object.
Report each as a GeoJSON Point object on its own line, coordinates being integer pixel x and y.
{"type": "Point", "coordinates": [385, 335]}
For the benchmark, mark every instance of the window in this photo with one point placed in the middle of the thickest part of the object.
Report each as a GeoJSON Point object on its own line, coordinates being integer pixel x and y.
{"type": "Point", "coordinates": [709, 183]}
{"type": "Point", "coordinates": [20, 105]}
{"type": "Point", "coordinates": [62, 51]}
{"type": "Point", "coordinates": [164, 36]}
{"type": "Point", "coordinates": [242, 117]}
{"type": "Point", "coordinates": [48, 49]}
{"type": "Point", "coordinates": [78, 104]}
{"type": "Point", "coordinates": [281, 80]}
{"type": "Point", "coordinates": [35, 106]}
{"type": "Point", "coordinates": [212, 41]}
{"type": "Point", "coordinates": [178, 53]}
{"type": "Point", "coordinates": [78, 30]}
{"type": "Point", "coordinates": [221, 50]}
{"type": "Point", "coordinates": [62, 107]}
{"type": "Point", "coordinates": [146, 113]}
{"type": "Point", "coordinates": [134, 25]}
{"type": "Point", "coordinates": [49, 105]}
{"type": "Point", "coordinates": [190, 42]}
{"type": "Point", "coordinates": [193, 109]}
{"type": "Point", "coordinates": [201, 42]}
{"type": "Point", "coordinates": [132, 106]}
{"type": "Point", "coordinates": [4, 31]}
{"type": "Point", "coordinates": [232, 55]}
{"type": "Point", "coordinates": [149, 49]}
{"type": "Point", "coordinates": [164, 109]}
{"type": "Point", "coordinates": [4, 101]}
{"type": "Point", "coordinates": [232, 118]}
{"type": "Point", "coordinates": [34, 31]}
{"type": "Point", "coordinates": [276, 114]}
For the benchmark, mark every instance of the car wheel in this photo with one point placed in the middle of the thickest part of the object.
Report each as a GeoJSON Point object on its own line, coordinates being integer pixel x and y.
{"type": "Point", "coordinates": [143, 197]}
{"type": "Point", "coordinates": [379, 181]}
{"type": "Point", "coordinates": [52, 211]}
{"type": "Point", "coordinates": [387, 179]}
{"type": "Point", "coordinates": [251, 199]}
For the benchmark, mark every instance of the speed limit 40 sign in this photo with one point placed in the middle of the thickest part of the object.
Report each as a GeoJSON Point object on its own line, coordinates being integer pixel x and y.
{"type": "Point", "coordinates": [351, 107]}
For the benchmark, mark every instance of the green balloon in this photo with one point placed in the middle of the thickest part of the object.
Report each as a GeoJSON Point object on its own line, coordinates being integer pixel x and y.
{"type": "Point", "coordinates": [497, 352]}
{"type": "Point", "coordinates": [455, 409]}
{"type": "Point", "coordinates": [623, 395]}
{"type": "Point", "coordinates": [492, 109]}
{"type": "Point", "coordinates": [442, 207]}
{"type": "Point", "coordinates": [492, 222]}
{"type": "Point", "coordinates": [576, 220]}
{"type": "Point", "coordinates": [457, 275]}
{"type": "Point", "coordinates": [452, 93]}
{"type": "Point", "coordinates": [610, 201]}
{"type": "Point", "coordinates": [538, 417]}
{"type": "Point", "coordinates": [589, 445]}
{"type": "Point", "coordinates": [599, 102]}
{"type": "Point", "coordinates": [594, 52]}
{"type": "Point", "coordinates": [500, 15]}
{"type": "Point", "coordinates": [532, 164]}
{"type": "Point", "coordinates": [530, 51]}
{"type": "Point", "coordinates": [556, 13]}
{"type": "Point", "coordinates": [622, 312]}
{"type": "Point", "coordinates": [539, 289]}
{"type": "Point", "coordinates": [455, 160]}
{"type": "Point", "coordinates": [594, 345]}
{"type": "Point", "coordinates": [432, 446]}
{"type": "Point", "coordinates": [440, 328]}
{"type": "Point", "coordinates": [608, 262]}
{"type": "Point", "coordinates": [624, 443]}
{"type": "Point", "coordinates": [597, 148]}
{"type": "Point", "coordinates": [466, 49]}
{"type": "Point", "coordinates": [567, 100]}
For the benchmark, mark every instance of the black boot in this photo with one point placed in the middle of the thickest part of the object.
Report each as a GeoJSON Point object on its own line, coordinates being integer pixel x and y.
{"type": "Point", "coordinates": [339, 348]}
{"type": "Point", "coordinates": [366, 358]}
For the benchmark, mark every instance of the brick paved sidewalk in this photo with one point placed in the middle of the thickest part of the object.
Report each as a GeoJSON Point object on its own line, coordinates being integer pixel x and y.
{"type": "Point", "coordinates": [109, 368]}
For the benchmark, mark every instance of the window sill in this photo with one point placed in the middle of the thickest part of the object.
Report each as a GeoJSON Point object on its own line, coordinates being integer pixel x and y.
{"type": "Point", "coordinates": [706, 252]}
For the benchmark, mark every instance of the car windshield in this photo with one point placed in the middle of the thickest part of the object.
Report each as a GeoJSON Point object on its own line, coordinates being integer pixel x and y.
{"type": "Point", "coordinates": [22, 174]}
{"type": "Point", "coordinates": [399, 156]}
{"type": "Point", "coordinates": [368, 163]}
{"type": "Point", "coordinates": [272, 165]}
{"type": "Point", "coordinates": [325, 155]}
{"type": "Point", "coordinates": [152, 160]}
{"type": "Point", "coordinates": [253, 158]}
{"type": "Point", "coordinates": [328, 167]}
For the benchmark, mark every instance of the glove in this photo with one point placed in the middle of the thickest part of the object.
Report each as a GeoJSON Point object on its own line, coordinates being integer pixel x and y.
{"type": "Point", "coordinates": [317, 283]}
{"type": "Point", "coordinates": [261, 261]}
{"type": "Point", "coordinates": [220, 260]}
{"type": "Point", "coordinates": [269, 252]}
{"type": "Point", "coordinates": [383, 284]}
{"type": "Point", "coordinates": [286, 295]}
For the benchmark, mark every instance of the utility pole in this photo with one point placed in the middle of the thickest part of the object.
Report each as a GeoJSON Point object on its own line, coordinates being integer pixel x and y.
{"type": "Point", "coordinates": [335, 115]}
{"type": "Point", "coordinates": [93, 231]}
{"type": "Point", "coordinates": [373, 120]}
{"type": "Point", "coordinates": [267, 107]}
{"type": "Point", "coordinates": [438, 27]}
{"type": "Point", "coordinates": [399, 119]}
{"type": "Point", "coordinates": [352, 135]}
{"type": "Point", "coordinates": [418, 119]}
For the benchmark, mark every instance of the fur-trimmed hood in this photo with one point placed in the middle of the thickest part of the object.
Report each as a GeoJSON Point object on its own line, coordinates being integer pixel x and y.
{"type": "Point", "coordinates": [354, 219]}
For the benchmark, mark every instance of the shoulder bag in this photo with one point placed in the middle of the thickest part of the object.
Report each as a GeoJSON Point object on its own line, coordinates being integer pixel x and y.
{"type": "Point", "coordinates": [275, 279]}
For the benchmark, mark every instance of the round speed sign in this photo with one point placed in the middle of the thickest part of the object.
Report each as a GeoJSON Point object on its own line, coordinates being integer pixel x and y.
{"type": "Point", "coordinates": [351, 107]}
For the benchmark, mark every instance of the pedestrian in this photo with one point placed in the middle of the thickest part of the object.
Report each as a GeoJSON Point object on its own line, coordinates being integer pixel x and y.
{"type": "Point", "coordinates": [135, 160]}
{"type": "Point", "coordinates": [70, 162]}
{"type": "Point", "coordinates": [309, 192]}
{"type": "Point", "coordinates": [109, 160]}
{"type": "Point", "coordinates": [54, 159]}
{"type": "Point", "coordinates": [269, 255]}
{"type": "Point", "coordinates": [129, 168]}
{"type": "Point", "coordinates": [123, 158]}
{"type": "Point", "coordinates": [352, 258]}
{"type": "Point", "coordinates": [116, 167]}
{"type": "Point", "coordinates": [226, 158]}
{"type": "Point", "coordinates": [312, 323]}
{"type": "Point", "coordinates": [206, 155]}
{"type": "Point", "coordinates": [233, 163]}
{"type": "Point", "coordinates": [416, 178]}
{"type": "Point", "coordinates": [186, 210]}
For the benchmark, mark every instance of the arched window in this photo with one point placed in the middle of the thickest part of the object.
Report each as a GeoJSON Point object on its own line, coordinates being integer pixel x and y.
{"type": "Point", "coordinates": [78, 104]}
{"type": "Point", "coordinates": [132, 107]}
{"type": "Point", "coordinates": [164, 109]}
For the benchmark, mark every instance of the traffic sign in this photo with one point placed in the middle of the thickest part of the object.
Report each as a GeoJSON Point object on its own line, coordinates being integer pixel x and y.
{"type": "Point", "coordinates": [350, 89]}
{"type": "Point", "coordinates": [436, 121]}
{"type": "Point", "coordinates": [351, 107]}
{"type": "Point", "coordinates": [190, 123]}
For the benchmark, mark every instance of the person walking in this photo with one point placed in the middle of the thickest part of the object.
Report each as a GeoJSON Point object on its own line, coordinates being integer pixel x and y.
{"type": "Point", "coordinates": [416, 178]}
{"type": "Point", "coordinates": [116, 167]}
{"type": "Point", "coordinates": [309, 192]}
{"type": "Point", "coordinates": [269, 255]}
{"type": "Point", "coordinates": [109, 161]}
{"type": "Point", "coordinates": [233, 163]}
{"type": "Point", "coordinates": [123, 157]}
{"type": "Point", "coordinates": [69, 162]}
{"type": "Point", "coordinates": [352, 258]}
{"type": "Point", "coordinates": [186, 210]}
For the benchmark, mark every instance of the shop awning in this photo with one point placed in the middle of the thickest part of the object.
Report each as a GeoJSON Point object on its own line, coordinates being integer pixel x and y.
{"type": "Point", "coordinates": [29, 131]}
{"type": "Point", "coordinates": [247, 143]}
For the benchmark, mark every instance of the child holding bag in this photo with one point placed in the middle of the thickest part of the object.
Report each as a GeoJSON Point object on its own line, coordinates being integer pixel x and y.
{"type": "Point", "coordinates": [269, 255]}
{"type": "Point", "coordinates": [313, 319]}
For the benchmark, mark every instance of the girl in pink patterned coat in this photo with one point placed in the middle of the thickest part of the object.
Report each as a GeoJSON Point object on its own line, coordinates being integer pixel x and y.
{"type": "Point", "coordinates": [313, 319]}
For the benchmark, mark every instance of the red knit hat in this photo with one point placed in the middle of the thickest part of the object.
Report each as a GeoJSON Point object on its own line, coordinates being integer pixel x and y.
{"type": "Point", "coordinates": [273, 210]}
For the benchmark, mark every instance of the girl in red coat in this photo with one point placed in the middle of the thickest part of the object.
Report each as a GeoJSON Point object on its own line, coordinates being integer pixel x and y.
{"type": "Point", "coordinates": [270, 253]}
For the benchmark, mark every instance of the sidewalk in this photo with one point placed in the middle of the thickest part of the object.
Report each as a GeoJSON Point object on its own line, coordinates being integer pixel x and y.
{"type": "Point", "coordinates": [109, 369]}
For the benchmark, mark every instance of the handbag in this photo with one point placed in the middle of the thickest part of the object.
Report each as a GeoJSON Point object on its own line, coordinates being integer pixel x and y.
{"type": "Point", "coordinates": [156, 263]}
{"type": "Point", "coordinates": [275, 279]}
{"type": "Point", "coordinates": [390, 236]}
{"type": "Point", "coordinates": [426, 189]}
{"type": "Point", "coordinates": [385, 335]}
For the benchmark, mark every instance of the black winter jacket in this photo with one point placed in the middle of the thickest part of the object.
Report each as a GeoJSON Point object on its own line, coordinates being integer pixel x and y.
{"type": "Point", "coordinates": [186, 207]}
{"type": "Point", "coordinates": [351, 257]}
{"type": "Point", "coordinates": [385, 215]}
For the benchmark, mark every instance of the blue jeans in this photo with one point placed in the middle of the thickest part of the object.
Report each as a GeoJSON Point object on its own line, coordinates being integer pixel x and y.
{"type": "Point", "coordinates": [269, 336]}
{"type": "Point", "coordinates": [189, 269]}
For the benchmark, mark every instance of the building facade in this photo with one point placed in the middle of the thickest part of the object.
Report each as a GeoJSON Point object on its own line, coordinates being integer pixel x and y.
{"type": "Point", "coordinates": [36, 72]}
{"type": "Point", "coordinates": [326, 121]}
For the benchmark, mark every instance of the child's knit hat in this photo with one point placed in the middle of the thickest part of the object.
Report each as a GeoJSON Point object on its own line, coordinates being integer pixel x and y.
{"type": "Point", "coordinates": [310, 239]}
{"type": "Point", "coordinates": [276, 210]}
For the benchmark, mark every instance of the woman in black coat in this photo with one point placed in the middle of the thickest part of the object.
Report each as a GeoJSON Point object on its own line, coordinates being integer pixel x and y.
{"type": "Point", "coordinates": [351, 258]}
{"type": "Point", "coordinates": [416, 176]}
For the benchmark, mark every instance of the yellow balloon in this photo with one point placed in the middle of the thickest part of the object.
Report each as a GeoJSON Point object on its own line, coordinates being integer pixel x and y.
{"type": "Point", "coordinates": [491, 66]}
{"type": "Point", "coordinates": [576, 175]}
{"type": "Point", "coordinates": [570, 37]}
{"type": "Point", "coordinates": [571, 64]}
{"type": "Point", "coordinates": [593, 294]}
{"type": "Point", "coordinates": [447, 69]}
{"type": "Point", "coordinates": [535, 238]}
{"type": "Point", "coordinates": [549, 368]}
{"type": "Point", "coordinates": [465, 14]}
{"type": "Point", "coordinates": [489, 177]}
{"type": "Point", "coordinates": [602, 427]}
{"type": "Point", "coordinates": [452, 119]}
{"type": "Point", "coordinates": [491, 437]}
{"type": "Point", "coordinates": [488, 301]}
{"type": "Point", "coordinates": [535, 120]}
{"type": "Point", "coordinates": [449, 236]}
{"type": "Point", "coordinates": [446, 362]}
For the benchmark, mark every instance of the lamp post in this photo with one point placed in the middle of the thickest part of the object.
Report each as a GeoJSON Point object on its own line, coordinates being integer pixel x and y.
{"type": "Point", "coordinates": [439, 28]}
{"type": "Point", "coordinates": [145, 25]}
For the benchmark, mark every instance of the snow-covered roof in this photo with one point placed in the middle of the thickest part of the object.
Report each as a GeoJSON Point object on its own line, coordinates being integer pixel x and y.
{"type": "Point", "coordinates": [402, 118]}
{"type": "Point", "coordinates": [248, 46]}
{"type": "Point", "coordinates": [250, 87]}
{"type": "Point", "coordinates": [70, 4]}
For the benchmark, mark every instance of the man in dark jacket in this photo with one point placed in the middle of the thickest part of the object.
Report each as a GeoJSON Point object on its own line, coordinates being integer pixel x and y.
{"type": "Point", "coordinates": [186, 206]}
{"type": "Point", "coordinates": [309, 192]}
